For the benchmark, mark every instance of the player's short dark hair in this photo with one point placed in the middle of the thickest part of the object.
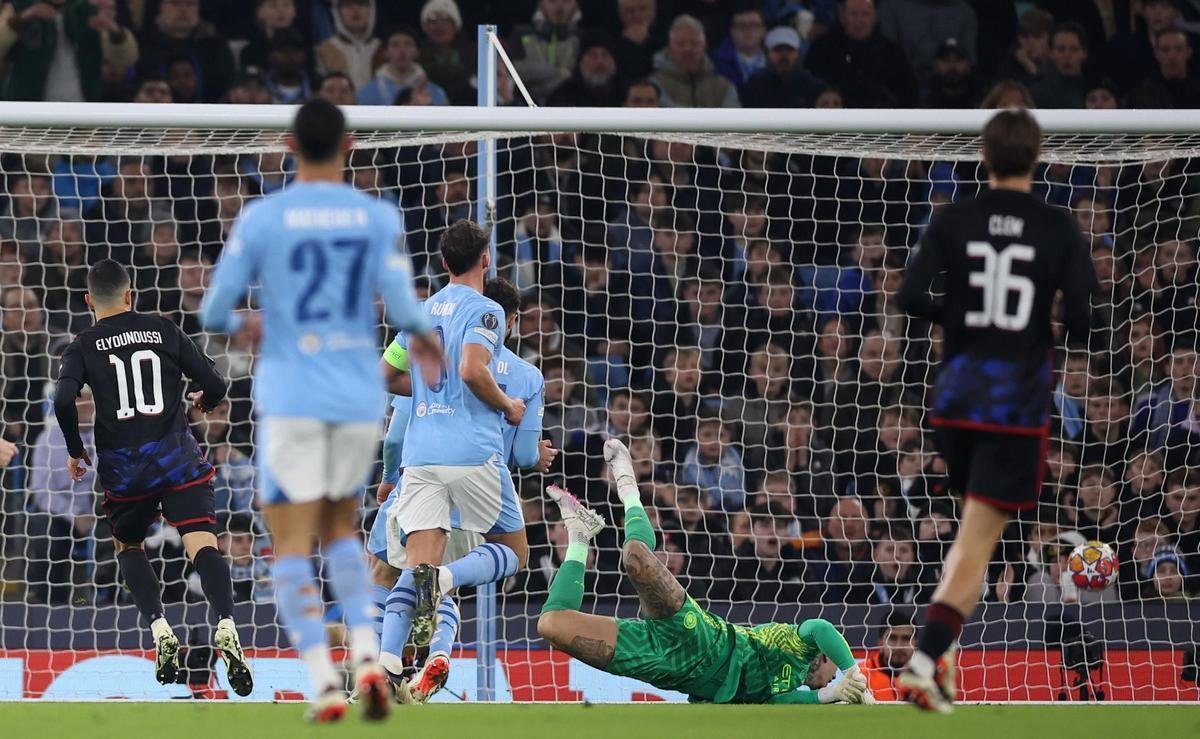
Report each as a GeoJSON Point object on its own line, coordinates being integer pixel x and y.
{"type": "Point", "coordinates": [1011, 142]}
{"type": "Point", "coordinates": [318, 127]}
{"type": "Point", "coordinates": [506, 295]}
{"type": "Point", "coordinates": [107, 280]}
{"type": "Point", "coordinates": [1073, 28]}
{"type": "Point", "coordinates": [462, 246]}
{"type": "Point", "coordinates": [898, 617]}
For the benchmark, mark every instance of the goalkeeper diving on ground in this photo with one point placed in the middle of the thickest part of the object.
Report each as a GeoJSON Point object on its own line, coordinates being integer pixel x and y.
{"type": "Point", "coordinates": [677, 645]}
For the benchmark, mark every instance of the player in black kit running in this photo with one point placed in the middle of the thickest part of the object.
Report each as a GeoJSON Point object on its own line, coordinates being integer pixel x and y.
{"type": "Point", "coordinates": [149, 463]}
{"type": "Point", "coordinates": [988, 270]}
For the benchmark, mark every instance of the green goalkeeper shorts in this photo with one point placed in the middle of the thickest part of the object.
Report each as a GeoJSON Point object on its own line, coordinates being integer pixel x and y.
{"type": "Point", "coordinates": [688, 652]}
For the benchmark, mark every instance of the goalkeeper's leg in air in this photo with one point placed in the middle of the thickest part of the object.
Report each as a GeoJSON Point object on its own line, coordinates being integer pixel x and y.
{"type": "Point", "coordinates": [678, 645]}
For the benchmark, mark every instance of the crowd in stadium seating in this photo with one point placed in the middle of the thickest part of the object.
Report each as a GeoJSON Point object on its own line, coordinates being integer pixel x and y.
{"type": "Point", "coordinates": [728, 312]}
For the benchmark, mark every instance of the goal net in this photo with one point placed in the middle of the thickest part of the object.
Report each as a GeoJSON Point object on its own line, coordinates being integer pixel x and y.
{"type": "Point", "coordinates": [722, 300]}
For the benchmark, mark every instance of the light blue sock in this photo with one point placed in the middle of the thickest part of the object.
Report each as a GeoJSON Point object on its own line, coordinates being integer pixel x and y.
{"type": "Point", "coordinates": [483, 564]}
{"type": "Point", "coordinates": [298, 601]}
{"type": "Point", "coordinates": [379, 595]}
{"type": "Point", "coordinates": [397, 623]}
{"type": "Point", "coordinates": [350, 579]}
{"type": "Point", "coordinates": [447, 627]}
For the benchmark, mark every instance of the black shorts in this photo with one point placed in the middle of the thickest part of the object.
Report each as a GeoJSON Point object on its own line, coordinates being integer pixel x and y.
{"type": "Point", "coordinates": [1003, 470]}
{"type": "Point", "coordinates": [188, 508]}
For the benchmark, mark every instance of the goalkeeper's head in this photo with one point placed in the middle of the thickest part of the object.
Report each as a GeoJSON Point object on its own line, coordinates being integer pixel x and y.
{"type": "Point", "coordinates": [319, 136]}
{"type": "Point", "coordinates": [821, 671]}
{"type": "Point", "coordinates": [1012, 141]}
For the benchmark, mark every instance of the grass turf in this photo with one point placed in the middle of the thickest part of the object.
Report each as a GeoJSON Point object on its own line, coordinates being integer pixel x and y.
{"type": "Point", "coordinates": [252, 721]}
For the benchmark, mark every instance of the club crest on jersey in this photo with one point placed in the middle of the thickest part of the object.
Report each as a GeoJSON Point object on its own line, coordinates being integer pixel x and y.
{"type": "Point", "coordinates": [421, 409]}
{"type": "Point", "coordinates": [310, 343]}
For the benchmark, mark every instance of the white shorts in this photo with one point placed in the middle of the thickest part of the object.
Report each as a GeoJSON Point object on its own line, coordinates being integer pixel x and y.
{"type": "Point", "coordinates": [477, 498]}
{"type": "Point", "coordinates": [306, 459]}
{"type": "Point", "coordinates": [458, 546]}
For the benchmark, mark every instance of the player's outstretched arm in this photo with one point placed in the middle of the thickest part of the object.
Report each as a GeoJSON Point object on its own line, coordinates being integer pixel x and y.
{"type": "Point", "coordinates": [235, 270]}
{"type": "Point", "coordinates": [67, 414]}
{"type": "Point", "coordinates": [919, 291]}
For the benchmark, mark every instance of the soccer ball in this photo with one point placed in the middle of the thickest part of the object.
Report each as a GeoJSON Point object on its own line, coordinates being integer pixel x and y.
{"type": "Point", "coordinates": [1093, 566]}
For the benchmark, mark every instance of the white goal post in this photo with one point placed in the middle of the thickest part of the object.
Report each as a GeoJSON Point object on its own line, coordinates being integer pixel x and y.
{"type": "Point", "coordinates": [809, 390]}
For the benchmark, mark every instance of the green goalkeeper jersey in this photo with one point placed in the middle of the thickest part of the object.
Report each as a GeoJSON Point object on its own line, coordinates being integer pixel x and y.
{"type": "Point", "coordinates": [771, 661]}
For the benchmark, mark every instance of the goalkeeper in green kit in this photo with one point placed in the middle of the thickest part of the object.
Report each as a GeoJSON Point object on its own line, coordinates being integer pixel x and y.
{"type": "Point", "coordinates": [677, 645]}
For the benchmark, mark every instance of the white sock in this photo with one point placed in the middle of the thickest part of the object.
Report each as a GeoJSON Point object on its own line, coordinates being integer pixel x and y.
{"type": "Point", "coordinates": [364, 644]}
{"type": "Point", "coordinates": [321, 671]}
{"type": "Point", "coordinates": [922, 664]}
{"type": "Point", "coordinates": [159, 626]}
{"type": "Point", "coordinates": [445, 580]}
{"type": "Point", "coordinates": [391, 662]}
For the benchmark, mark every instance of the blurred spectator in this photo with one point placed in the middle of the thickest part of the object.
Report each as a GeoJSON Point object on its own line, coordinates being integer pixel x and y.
{"type": "Point", "coordinates": [953, 84]}
{"type": "Point", "coordinates": [235, 483]}
{"type": "Point", "coordinates": [400, 73]}
{"type": "Point", "coordinates": [741, 54]}
{"type": "Point", "coordinates": [1166, 573]}
{"type": "Point", "coordinates": [25, 350]}
{"type": "Point", "coordinates": [893, 650]}
{"type": "Point", "coordinates": [1007, 94]}
{"type": "Point", "coordinates": [919, 27]}
{"type": "Point", "coordinates": [703, 538]}
{"type": "Point", "coordinates": [54, 51]}
{"type": "Point", "coordinates": [338, 88]}
{"type": "Point", "coordinates": [1095, 511]}
{"type": "Point", "coordinates": [1101, 94]}
{"type": "Point", "coordinates": [62, 275]}
{"type": "Point", "coordinates": [798, 449]}
{"type": "Point", "coordinates": [676, 400]}
{"type": "Point", "coordinates": [546, 50]}
{"type": "Point", "coordinates": [271, 17]}
{"type": "Point", "coordinates": [29, 202]}
{"type": "Point", "coordinates": [1024, 64]}
{"type": "Point", "coordinates": [595, 81]}
{"type": "Point", "coordinates": [714, 465]}
{"type": "Point", "coordinates": [178, 33]}
{"type": "Point", "coordinates": [642, 93]}
{"type": "Point", "coordinates": [250, 573]}
{"type": "Point", "coordinates": [1171, 404]}
{"type": "Point", "coordinates": [156, 271]}
{"type": "Point", "coordinates": [898, 576]}
{"type": "Point", "coordinates": [640, 37]}
{"type": "Point", "coordinates": [61, 510]}
{"type": "Point", "coordinates": [1130, 55]}
{"type": "Point", "coordinates": [8, 450]}
{"type": "Point", "coordinates": [868, 69]}
{"type": "Point", "coordinates": [287, 65]}
{"type": "Point", "coordinates": [829, 97]}
{"type": "Point", "coordinates": [447, 54]}
{"type": "Point", "coordinates": [783, 82]}
{"type": "Point", "coordinates": [684, 72]}
{"type": "Point", "coordinates": [759, 404]}
{"type": "Point", "coordinates": [1173, 84]}
{"type": "Point", "coordinates": [1181, 512]}
{"type": "Point", "coordinates": [153, 88]}
{"type": "Point", "coordinates": [566, 407]}
{"type": "Point", "coordinates": [767, 569]}
{"type": "Point", "coordinates": [354, 48]}
{"type": "Point", "coordinates": [841, 570]}
{"type": "Point", "coordinates": [1063, 84]}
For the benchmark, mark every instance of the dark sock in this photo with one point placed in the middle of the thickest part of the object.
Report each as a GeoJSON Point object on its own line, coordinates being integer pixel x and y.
{"type": "Point", "coordinates": [215, 581]}
{"type": "Point", "coordinates": [943, 624]}
{"type": "Point", "coordinates": [142, 583]}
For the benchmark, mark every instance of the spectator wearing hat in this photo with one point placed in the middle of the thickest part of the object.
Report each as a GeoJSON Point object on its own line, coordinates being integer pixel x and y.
{"type": "Point", "coordinates": [919, 27]}
{"type": "Point", "coordinates": [686, 75]}
{"type": "Point", "coordinates": [784, 82]}
{"type": "Point", "coordinates": [954, 84]}
{"type": "Point", "coordinates": [1165, 575]}
{"type": "Point", "coordinates": [741, 54]}
{"type": "Point", "coordinates": [892, 652]}
{"type": "Point", "coordinates": [270, 16]}
{"type": "Point", "coordinates": [596, 81]}
{"type": "Point", "coordinates": [1172, 85]}
{"type": "Point", "coordinates": [400, 73]}
{"type": "Point", "coordinates": [353, 49]}
{"type": "Point", "coordinates": [287, 65]}
{"type": "Point", "coordinates": [447, 54]}
{"type": "Point", "coordinates": [545, 50]}
{"type": "Point", "coordinates": [1063, 84]}
{"type": "Point", "coordinates": [31, 34]}
{"type": "Point", "coordinates": [868, 68]}
{"type": "Point", "coordinates": [1031, 54]}
{"type": "Point", "coordinates": [179, 32]}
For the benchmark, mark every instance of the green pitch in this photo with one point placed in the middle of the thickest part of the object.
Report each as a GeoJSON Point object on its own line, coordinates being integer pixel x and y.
{"type": "Point", "coordinates": [265, 721]}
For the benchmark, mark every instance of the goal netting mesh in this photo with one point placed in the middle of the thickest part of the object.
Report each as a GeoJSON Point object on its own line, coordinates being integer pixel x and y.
{"type": "Point", "coordinates": [725, 304]}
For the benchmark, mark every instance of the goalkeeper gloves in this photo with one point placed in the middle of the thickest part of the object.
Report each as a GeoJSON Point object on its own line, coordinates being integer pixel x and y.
{"type": "Point", "coordinates": [850, 689]}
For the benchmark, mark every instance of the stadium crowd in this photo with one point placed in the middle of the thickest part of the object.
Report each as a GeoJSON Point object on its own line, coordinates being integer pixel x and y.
{"type": "Point", "coordinates": [728, 312]}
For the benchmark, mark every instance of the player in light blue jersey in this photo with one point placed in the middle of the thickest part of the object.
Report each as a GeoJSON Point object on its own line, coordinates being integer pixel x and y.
{"type": "Point", "coordinates": [471, 561]}
{"type": "Point", "coordinates": [320, 251]}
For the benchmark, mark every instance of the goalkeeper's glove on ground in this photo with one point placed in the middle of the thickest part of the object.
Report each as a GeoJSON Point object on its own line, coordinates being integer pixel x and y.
{"type": "Point", "coordinates": [849, 689]}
